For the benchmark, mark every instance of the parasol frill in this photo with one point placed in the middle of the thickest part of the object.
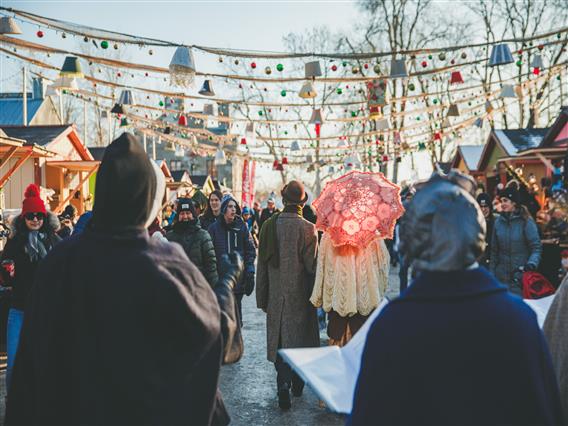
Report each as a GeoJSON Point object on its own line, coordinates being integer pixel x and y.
{"type": "Point", "coordinates": [357, 207]}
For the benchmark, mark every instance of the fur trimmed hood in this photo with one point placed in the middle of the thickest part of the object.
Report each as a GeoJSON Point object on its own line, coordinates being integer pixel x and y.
{"type": "Point", "coordinates": [50, 225]}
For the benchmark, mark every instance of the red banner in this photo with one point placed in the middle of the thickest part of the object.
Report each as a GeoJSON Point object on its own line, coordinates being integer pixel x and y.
{"type": "Point", "coordinates": [246, 185]}
{"type": "Point", "coordinates": [251, 181]}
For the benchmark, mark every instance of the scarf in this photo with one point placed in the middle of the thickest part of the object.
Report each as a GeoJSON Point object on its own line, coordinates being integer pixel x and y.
{"type": "Point", "coordinates": [35, 247]}
{"type": "Point", "coordinates": [268, 246]}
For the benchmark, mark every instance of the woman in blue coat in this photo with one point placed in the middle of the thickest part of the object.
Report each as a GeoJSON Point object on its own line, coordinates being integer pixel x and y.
{"type": "Point", "coordinates": [230, 234]}
{"type": "Point", "coordinates": [515, 243]}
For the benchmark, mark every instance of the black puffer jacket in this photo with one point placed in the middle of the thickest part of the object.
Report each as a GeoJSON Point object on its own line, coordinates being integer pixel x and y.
{"type": "Point", "coordinates": [197, 244]}
{"type": "Point", "coordinates": [25, 268]}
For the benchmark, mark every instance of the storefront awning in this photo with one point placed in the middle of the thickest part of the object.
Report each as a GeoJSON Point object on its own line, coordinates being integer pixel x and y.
{"type": "Point", "coordinates": [75, 166]}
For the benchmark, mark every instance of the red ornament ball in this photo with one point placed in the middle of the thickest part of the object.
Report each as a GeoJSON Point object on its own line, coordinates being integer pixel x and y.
{"type": "Point", "coordinates": [452, 61]}
{"type": "Point", "coordinates": [366, 66]}
{"type": "Point", "coordinates": [520, 51]}
{"type": "Point", "coordinates": [424, 64]}
{"type": "Point", "coordinates": [253, 65]}
{"type": "Point", "coordinates": [540, 47]}
{"type": "Point", "coordinates": [40, 33]}
{"type": "Point", "coordinates": [146, 74]}
{"type": "Point", "coordinates": [119, 74]}
{"type": "Point", "coordinates": [334, 67]}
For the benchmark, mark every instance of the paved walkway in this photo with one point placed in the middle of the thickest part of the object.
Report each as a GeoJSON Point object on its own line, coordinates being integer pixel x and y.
{"type": "Point", "coordinates": [249, 387]}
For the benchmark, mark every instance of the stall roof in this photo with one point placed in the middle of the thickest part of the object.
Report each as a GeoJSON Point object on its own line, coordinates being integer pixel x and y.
{"type": "Point", "coordinates": [514, 141]}
{"type": "Point", "coordinates": [471, 155]}
{"type": "Point", "coordinates": [11, 110]}
{"type": "Point", "coordinates": [37, 135]}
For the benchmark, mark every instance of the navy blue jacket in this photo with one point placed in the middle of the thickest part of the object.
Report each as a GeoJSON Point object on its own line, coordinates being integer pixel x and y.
{"type": "Point", "coordinates": [456, 348]}
{"type": "Point", "coordinates": [230, 238]}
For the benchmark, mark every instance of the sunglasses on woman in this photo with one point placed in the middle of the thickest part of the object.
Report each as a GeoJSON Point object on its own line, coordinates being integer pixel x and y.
{"type": "Point", "coordinates": [32, 216]}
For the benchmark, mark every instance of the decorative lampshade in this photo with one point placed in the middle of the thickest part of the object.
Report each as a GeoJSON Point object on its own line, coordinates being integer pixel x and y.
{"type": "Point", "coordinates": [383, 124]}
{"type": "Point", "coordinates": [126, 98]}
{"type": "Point", "coordinates": [488, 107]}
{"type": "Point", "coordinates": [316, 117]}
{"type": "Point", "coordinates": [249, 127]}
{"type": "Point", "coordinates": [124, 122]}
{"type": "Point", "coordinates": [284, 160]}
{"type": "Point", "coordinates": [519, 91]}
{"type": "Point", "coordinates": [478, 123]}
{"type": "Point", "coordinates": [220, 157]}
{"type": "Point", "coordinates": [446, 123]}
{"type": "Point", "coordinates": [295, 146]}
{"type": "Point", "coordinates": [309, 159]}
{"type": "Point", "coordinates": [182, 120]}
{"type": "Point", "coordinates": [275, 165]}
{"type": "Point", "coordinates": [313, 69]}
{"type": "Point", "coordinates": [456, 78]}
{"type": "Point", "coordinates": [117, 109]}
{"type": "Point", "coordinates": [182, 67]}
{"type": "Point", "coordinates": [65, 83]}
{"type": "Point", "coordinates": [331, 169]}
{"type": "Point", "coordinates": [104, 114]}
{"type": "Point", "coordinates": [307, 91]}
{"type": "Point", "coordinates": [207, 89]}
{"type": "Point", "coordinates": [453, 111]}
{"type": "Point", "coordinates": [537, 62]}
{"type": "Point", "coordinates": [71, 68]}
{"type": "Point", "coordinates": [8, 25]}
{"type": "Point", "coordinates": [179, 151]}
{"type": "Point", "coordinates": [500, 55]}
{"type": "Point", "coordinates": [209, 109]}
{"type": "Point", "coordinates": [507, 91]}
{"type": "Point", "coordinates": [243, 141]}
{"type": "Point", "coordinates": [398, 68]}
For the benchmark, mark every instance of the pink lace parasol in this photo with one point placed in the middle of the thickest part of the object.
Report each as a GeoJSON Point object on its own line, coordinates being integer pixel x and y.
{"type": "Point", "coordinates": [357, 207]}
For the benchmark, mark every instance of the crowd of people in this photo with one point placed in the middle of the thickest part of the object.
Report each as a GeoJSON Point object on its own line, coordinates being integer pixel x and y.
{"type": "Point", "coordinates": [128, 319]}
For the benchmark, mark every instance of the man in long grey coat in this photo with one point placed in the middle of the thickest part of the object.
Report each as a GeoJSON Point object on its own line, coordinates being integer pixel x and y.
{"type": "Point", "coordinates": [285, 276]}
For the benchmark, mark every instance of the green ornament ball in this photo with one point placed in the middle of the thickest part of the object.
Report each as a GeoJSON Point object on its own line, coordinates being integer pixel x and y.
{"type": "Point", "coordinates": [429, 56]}
{"type": "Point", "coordinates": [469, 103]}
{"type": "Point", "coordinates": [161, 103]}
{"type": "Point", "coordinates": [411, 87]}
{"type": "Point", "coordinates": [104, 44]}
{"type": "Point", "coordinates": [417, 118]}
{"type": "Point", "coordinates": [283, 93]}
{"type": "Point", "coordinates": [280, 67]}
{"type": "Point", "coordinates": [519, 63]}
{"type": "Point", "coordinates": [435, 101]}
{"type": "Point", "coordinates": [344, 63]}
{"type": "Point", "coordinates": [353, 114]}
{"type": "Point", "coordinates": [339, 91]}
{"type": "Point", "coordinates": [557, 77]}
{"type": "Point", "coordinates": [285, 132]}
{"type": "Point", "coordinates": [260, 113]}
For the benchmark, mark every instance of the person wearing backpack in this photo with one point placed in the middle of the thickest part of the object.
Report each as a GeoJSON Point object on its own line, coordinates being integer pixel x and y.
{"type": "Point", "coordinates": [515, 243]}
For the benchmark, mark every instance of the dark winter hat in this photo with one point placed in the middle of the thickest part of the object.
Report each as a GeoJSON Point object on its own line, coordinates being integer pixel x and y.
{"type": "Point", "coordinates": [484, 200]}
{"type": "Point", "coordinates": [32, 202]}
{"type": "Point", "coordinates": [511, 194]}
{"type": "Point", "coordinates": [225, 203]}
{"type": "Point", "coordinates": [186, 205]}
{"type": "Point", "coordinates": [294, 193]}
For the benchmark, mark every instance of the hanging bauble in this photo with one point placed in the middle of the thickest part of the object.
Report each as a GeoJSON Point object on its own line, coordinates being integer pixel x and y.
{"type": "Point", "coordinates": [220, 59]}
{"type": "Point", "coordinates": [86, 39]}
{"type": "Point", "coordinates": [353, 114]}
{"type": "Point", "coordinates": [424, 64]}
{"type": "Point", "coordinates": [366, 66]}
{"type": "Point", "coordinates": [161, 103]}
{"type": "Point", "coordinates": [411, 87]}
{"type": "Point", "coordinates": [243, 141]}
{"type": "Point", "coordinates": [558, 36]}
{"type": "Point", "coordinates": [236, 62]}
{"type": "Point", "coordinates": [536, 71]}
{"type": "Point", "coordinates": [421, 146]}
{"type": "Point", "coordinates": [334, 67]}
{"type": "Point", "coordinates": [145, 74]}
{"type": "Point", "coordinates": [520, 52]}
{"type": "Point", "coordinates": [260, 113]}
{"type": "Point", "coordinates": [280, 67]}
{"type": "Point", "coordinates": [283, 93]}
{"type": "Point", "coordinates": [442, 56]}
{"type": "Point", "coordinates": [40, 33]}
{"type": "Point", "coordinates": [115, 45]}
{"type": "Point", "coordinates": [355, 69]}
{"type": "Point", "coordinates": [63, 35]}
{"type": "Point", "coordinates": [558, 77]}
{"type": "Point", "coordinates": [540, 47]}
{"type": "Point", "coordinates": [377, 69]}
{"type": "Point", "coordinates": [339, 91]}
{"type": "Point", "coordinates": [453, 61]}
{"type": "Point", "coordinates": [519, 63]}
{"type": "Point", "coordinates": [344, 63]}
{"type": "Point", "coordinates": [435, 101]}
{"type": "Point", "coordinates": [253, 65]}
{"type": "Point", "coordinates": [119, 74]}
{"type": "Point", "coordinates": [182, 67]}
{"type": "Point", "coordinates": [150, 52]}
{"type": "Point", "coordinates": [104, 44]}
{"type": "Point", "coordinates": [268, 70]}
{"type": "Point", "coordinates": [464, 55]}
{"type": "Point", "coordinates": [284, 160]}
{"type": "Point", "coordinates": [182, 121]}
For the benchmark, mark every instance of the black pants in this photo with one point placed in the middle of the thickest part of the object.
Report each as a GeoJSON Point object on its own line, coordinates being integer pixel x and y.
{"type": "Point", "coordinates": [239, 300]}
{"type": "Point", "coordinates": [286, 377]}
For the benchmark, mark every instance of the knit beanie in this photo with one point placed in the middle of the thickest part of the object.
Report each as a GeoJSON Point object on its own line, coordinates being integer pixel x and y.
{"type": "Point", "coordinates": [511, 194]}
{"type": "Point", "coordinates": [32, 202]}
{"type": "Point", "coordinates": [484, 200]}
{"type": "Point", "coordinates": [186, 205]}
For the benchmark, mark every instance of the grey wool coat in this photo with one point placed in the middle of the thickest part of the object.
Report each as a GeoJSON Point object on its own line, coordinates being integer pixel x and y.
{"type": "Point", "coordinates": [284, 292]}
{"type": "Point", "coordinates": [515, 242]}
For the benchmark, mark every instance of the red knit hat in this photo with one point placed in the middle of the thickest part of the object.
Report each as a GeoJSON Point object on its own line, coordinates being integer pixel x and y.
{"type": "Point", "coordinates": [32, 203]}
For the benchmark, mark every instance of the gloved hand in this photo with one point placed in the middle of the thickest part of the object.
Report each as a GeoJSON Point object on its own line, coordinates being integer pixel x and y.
{"type": "Point", "coordinates": [530, 267]}
{"type": "Point", "coordinates": [230, 269]}
{"type": "Point", "coordinates": [249, 283]}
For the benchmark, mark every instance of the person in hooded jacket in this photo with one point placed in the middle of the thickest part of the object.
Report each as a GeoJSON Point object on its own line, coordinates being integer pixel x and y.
{"type": "Point", "coordinates": [230, 234]}
{"type": "Point", "coordinates": [33, 235]}
{"type": "Point", "coordinates": [121, 328]}
{"type": "Point", "coordinates": [484, 201]}
{"type": "Point", "coordinates": [196, 241]}
{"type": "Point", "coordinates": [515, 243]}
{"type": "Point", "coordinates": [213, 210]}
{"type": "Point", "coordinates": [456, 347]}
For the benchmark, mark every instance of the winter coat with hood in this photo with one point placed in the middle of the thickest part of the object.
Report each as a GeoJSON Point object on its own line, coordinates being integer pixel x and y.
{"type": "Point", "coordinates": [515, 243]}
{"type": "Point", "coordinates": [228, 238]}
{"type": "Point", "coordinates": [197, 244]}
{"type": "Point", "coordinates": [24, 266]}
{"type": "Point", "coordinates": [120, 328]}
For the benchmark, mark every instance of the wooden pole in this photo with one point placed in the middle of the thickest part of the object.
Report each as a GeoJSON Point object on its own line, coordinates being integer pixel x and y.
{"type": "Point", "coordinates": [85, 123]}
{"type": "Point", "coordinates": [71, 193]}
{"type": "Point", "coordinates": [25, 96]}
